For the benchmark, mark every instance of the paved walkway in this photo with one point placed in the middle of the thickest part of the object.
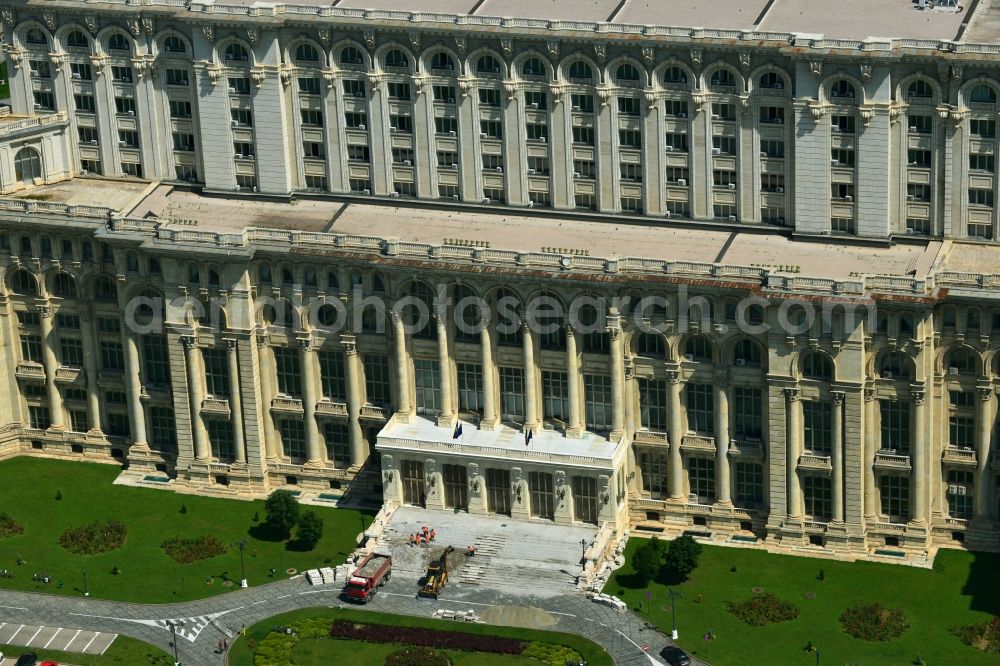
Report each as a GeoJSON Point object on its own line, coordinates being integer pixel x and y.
{"type": "Point", "coordinates": [54, 638]}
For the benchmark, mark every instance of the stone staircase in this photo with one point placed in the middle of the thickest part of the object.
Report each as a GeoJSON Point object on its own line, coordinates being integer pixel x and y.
{"type": "Point", "coordinates": [477, 569]}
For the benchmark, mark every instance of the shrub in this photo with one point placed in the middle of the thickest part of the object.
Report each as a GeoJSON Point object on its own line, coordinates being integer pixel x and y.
{"type": "Point", "coordinates": [682, 557]}
{"type": "Point", "coordinates": [9, 526]}
{"type": "Point", "coordinates": [186, 551]}
{"type": "Point", "coordinates": [417, 656]}
{"type": "Point", "coordinates": [310, 530]}
{"type": "Point", "coordinates": [282, 510]}
{"type": "Point", "coordinates": [763, 609]}
{"type": "Point", "coordinates": [92, 538]}
{"type": "Point", "coordinates": [422, 637]}
{"type": "Point", "coordinates": [274, 650]}
{"type": "Point", "coordinates": [983, 636]}
{"type": "Point", "coordinates": [874, 622]}
{"type": "Point", "coordinates": [648, 560]}
{"type": "Point", "coordinates": [555, 655]}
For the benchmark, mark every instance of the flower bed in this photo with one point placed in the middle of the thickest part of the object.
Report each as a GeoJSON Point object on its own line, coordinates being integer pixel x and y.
{"type": "Point", "coordinates": [984, 636]}
{"type": "Point", "coordinates": [417, 657]}
{"type": "Point", "coordinates": [763, 609]}
{"type": "Point", "coordinates": [9, 526]}
{"type": "Point", "coordinates": [421, 637]}
{"type": "Point", "coordinates": [874, 622]}
{"type": "Point", "coordinates": [186, 551]}
{"type": "Point", "coordinates": [93, 538]}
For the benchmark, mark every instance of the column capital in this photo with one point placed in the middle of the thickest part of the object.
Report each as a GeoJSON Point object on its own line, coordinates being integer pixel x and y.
{"type": "Point", "coordinates": [45, 311]}
{"type": "Point", "coordinates": [306, 344]}
{"type": "Point", "coordinates": [189, 341]}
{"type": "Point", "coordinates": [870, 393]}
{"type": "Point", "coordinates": [792, 394]}
{"type": "Point", "coordinates": [838, 397]}
{"type": "Point", "coordinates": [918, 393]}
{"type": "Point", "coordinates": [985, 393]}
{"type": "Point", "coordinates": [673, 376]}
{"type": "Point", "coordinates": [231, 344]}
{"type": "Point", "coordinates": [350, 344]}
{"type": "Point", "coordinates": [263, 340]}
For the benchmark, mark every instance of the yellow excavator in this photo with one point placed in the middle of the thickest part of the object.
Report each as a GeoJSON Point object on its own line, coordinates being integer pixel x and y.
{"type": "Point", "coordinates": [437, 575]}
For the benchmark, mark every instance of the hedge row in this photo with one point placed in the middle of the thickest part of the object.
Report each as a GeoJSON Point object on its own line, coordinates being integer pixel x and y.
{"type": "Point", "coordinates": [422, 637]}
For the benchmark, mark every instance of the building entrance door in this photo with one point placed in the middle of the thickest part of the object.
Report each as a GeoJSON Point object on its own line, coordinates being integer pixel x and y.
{"type": "Point", "coordinates": [498, 491]}
{"type": "Point", "coordinates": [543, 500]}
{"type": "Point", "coordinates": [456, 487]}
{"type": "Point", "coordinates": [585, 499]}
{"type": "Point", "coordinates": [413, 482]}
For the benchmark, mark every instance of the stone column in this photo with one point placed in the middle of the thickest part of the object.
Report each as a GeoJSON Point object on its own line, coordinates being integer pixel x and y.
{"type": "Point", "coordinates": [202, 448]}
{"type": "Point", "coordinates": [793, 417]}
{"type": "Point", "coordinates": [871, 447]}
{"type": "Point", "coordinates": [617, 379]}
{"type": "Point", "coordinates": [446, 418]}
{"type": "Point", "coordinates": [530, 391]}
{"type": "Point", "coordinates": [57, 416]}
{"type": "Point", "coordinates": [491, 414]}
{"type": "Point", "coordinates": [984, 419]}
{"type": "Point", "coordinates": [137, 415]}
{"type": "Point", "coordinates": [268, 377]}
{"type": "Point", "coordinates": [723, 488]}
{"type": "Point", "coordinates": [921, 462]}
{"type": "Point", "coordinates": [675, 480]}
{"type": "Point", "coordinates": [236, 401]}
{"type": "Point", "coordinates": [574, 428]}
{"type": "Point", "coordinates": [359, 447]}
{"type": "Point", "coordinates": [404, 410]}
{"type": "Point", "coordinates": [837, 456]}
{"type": "Point", "coordinates": [90, 356]}
{"type": "Point", "coordinates": [310, 382]}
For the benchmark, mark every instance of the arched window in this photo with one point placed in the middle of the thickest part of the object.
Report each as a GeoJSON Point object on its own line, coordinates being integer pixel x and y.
{"type": "Point", "coordinates": [105, 289]}
{"type": "Point", "coordinates": [627, 73]}
{"type": "Point", "coordinates": [905, 326]}
{"type": "Point", "coordinates": [332, 282]}
{"type": "Point", "coordinates": [698, 349]}
{"type": "Point", "coordinates": [27, 165]}
{"type": "Point", "coordinates": [920, 89]}
{"type": "Point", "coordinates": [972, 320]}
{"type": "Point", "coordinates": [533, 67]}
{"type": "Point", "coordinates": [442, 61]}
{"type": "Point", "coordinates": [949, 318]}
{"type": "Point", "coordinates": [264, 274]}
{"type": "Point", "coordinates": [35, 36]}
{"type": "Point", "coordinates": [772, 81]}
{"type": "Point", "coordinates": [817, 366]}
{"type": "Point", "coordinates": [351, 55]}
{"type": "Point", "coordinates": [194, 275]}
{"type": "Point", "coordinates": [549, 313]}
{"type": "Point", "coordinates": [674, 76]}
{"type": "Point", "coordinates": [174, 44]}
{"type": "Point", "coordinates": [154, 266]}
{"type": "Point", "coordinates": [64, 286]}
{"type": "Point", "coordinates": [309, 277]}
{"type": "Point", "coordinates": [23, 283]}
{"type": "Point", "coordinates": [306, 53]}
{"type": "Point", "coordinates": [236, 53]}
{"type": "Point", "coordinates": [581, 70]}
{"type": "Point", "coordinates": [421, 310]}
{"type": "Point", "coordinates": [287, 279]}
{"type": "Point", "coordinates": [396, 58]}
{"type": "Point", "coordinates": [746, 353]}
{"type": "Point", "coordinates": [893, 366]}
{"type": "Point", "coordinates": [722, 78]}
{"type": "Point", "coordinates": [983, 94]}
{"type": "Point", "coordinates": [650, 345]}
{"type": "Point", "coordinates": [378, 284]}
{"type": "Point", "coordinates": [962, 361]}
{"type": "Point", "coordinates": [213, 277]}
{"type": "Point", "coordinates": [843, 90]}
{"type": "Point", "coordinates": [508, 308]}
{"type": "Point", "coordinates": [487, 64]}
{"type": "Point", "coordinates": [467, 316]}
{"type": "Point", "coordinates": [118, 42]}
{"type": "Point", "coordinates": [77, 40]}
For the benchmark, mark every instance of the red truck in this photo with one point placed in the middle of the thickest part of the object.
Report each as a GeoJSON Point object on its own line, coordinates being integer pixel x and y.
{"type": "Point", "coordinates": [372, 573]}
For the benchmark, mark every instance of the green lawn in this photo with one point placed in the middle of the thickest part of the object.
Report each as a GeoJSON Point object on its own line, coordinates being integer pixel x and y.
{"type": "Point", "coordinates": [320, 652]}
{"type": "Point", "coordinates": [28, 488]}
{"type": "Point", "coordinates": [124, 650]}
{"type": "Point", "coordinates": [962, 589]}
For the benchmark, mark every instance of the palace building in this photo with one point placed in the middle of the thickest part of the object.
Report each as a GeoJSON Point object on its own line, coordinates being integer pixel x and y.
{"type": "Point", "coordinates": [221, 221]}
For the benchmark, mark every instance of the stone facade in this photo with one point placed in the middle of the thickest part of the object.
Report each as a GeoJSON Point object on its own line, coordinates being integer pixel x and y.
{"type": "Point", "coordinates": [864, 436]}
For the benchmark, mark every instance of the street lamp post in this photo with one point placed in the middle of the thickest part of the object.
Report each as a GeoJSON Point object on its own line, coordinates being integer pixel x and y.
{"type": "Point", "coordinates": [86, 592]}
{"type": "Point", "coordinates": [673, 610]}
{"type": "Point", "coordinates": [173, 631]}
{"type": "Point", "coordinates": [243, 565]}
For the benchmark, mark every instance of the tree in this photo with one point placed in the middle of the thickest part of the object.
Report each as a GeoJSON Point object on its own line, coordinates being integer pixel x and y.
{"type": "Point", "coordinates": [310, 530]}
{"type": "Point", "coordinates": [682, 557]}
{"type": "Point", "coordinates": [648, 560]}
{"type": "Point", "coordinates": [282, 511]}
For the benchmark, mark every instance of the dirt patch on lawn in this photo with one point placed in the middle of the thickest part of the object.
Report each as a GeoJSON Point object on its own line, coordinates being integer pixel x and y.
{"type": "Point", "coordinates": [518, 616]}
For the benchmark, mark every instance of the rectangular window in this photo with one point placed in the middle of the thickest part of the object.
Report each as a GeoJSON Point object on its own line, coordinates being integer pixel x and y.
{"type": "Point", "coordinates": [981, 198]}
{"type": "Point", "coordinates": [112, 356]}
{"type": "Point", "coordinates": [916, 225]}
{"type": "Point", "coordinates": [78, 420]}
{"type": "Point", "coordinates": [747, 413]}
{"type": "Point", "coordinates": [919, 124]}
{"type": "Point", "coordinates": [653, 466]}
{"type": "Point", "coordinates": [239, 85]}
{"type": "Point", "coordinates": [354, 88]}
{"type": "Point", "coordinates": [125, 106]}
{"type": "Point", "coordinates": [70, 352]}
{"type": "Point", "coordinates": [309, 85]}
{"type": "Point", "coordinates": [986, 163]}
{"type": "Point", "coordinates": [81, 71]}
{"type": "Point", "coordinates": [118, 425]}
{"type": "Point", "coordinates": [772, 115]}
{"type": "Point", "coordinates": [491, 129]}
{"type": "Point", "coordinates": [177, 77]}
{"type": "Point", "coordinates": [960, 491]}
{"type": "Point", "coordinates": [749, 491]}
{"type": "Point", "coordinates": [631, 172]}
{"type": "Point", "coordinates": [121, 74]}
{"type": "Point", "coordinates": [725, 112]}
{"type": "Point", "coordinates": [583, 136]}
{"type": "Point", "coordinates": [772, 148]}
{"type": "Point", "coordinates": [536, 100]}
{"type": "Point", "coordinates": [918, 158]}
{"type": "Point", "coordinates": [701, 408]}
{"type": "Point", "coordinates": [629, 106]}
{"type": "Point", "coordinates": [338, 444]}
{"type": "Point", "coordinates": [183, 142]}
{"type": "Point", "coordinates": [31, 348]}
{"type": "Point", "coordinates": [817, 418]}
{"type": "Point", "coordinates": [582, 103]}
{"type": "Point", "coordinates": [399, 91]}
{"type": "Point", "coordinates": [512, 393]}
{"type": "Point", "coordinates": [842, 191]}
{"type": "Point", "coordinates": [446, 125]}
{"type": "Point", "coordinates": [984, 129]}
{"type": "Point", "coordinates": [293, 437]}
{"type": "Point", "coordinates": [597, 402]}
{"type": "Point", "coordinates": [289, 372]}
{"type": "Point", "coordinates": [842, 225]}
{"type": "Point", "coordinates": [180, 109]}
{"type": "Point", "coordinates": [38, 417]}
{"type": "Point", "coordinates": [701, 473]}
{"type": "Point", "coordinates": [84, 103]}
{"type": "Point", "coordinates": [895, 492]}
{"type": "Point", "coordinates": [313, 150]}
{"type": "Point", "coordinates": [895, 426]}
{"type": "Point", "coordinates": [653, 404]}
{"type": "Point", "coordinates": [818, 496]}
{"type": "Point", "coordinates": [44, 101]}
{"type": "Point", "coordinates": [723, 145]}
{"type": "Point", "coordinates": [444, 94]}
{"type": "Point", "coordinates": [470, 387]}
{"type": "Point", "coordinates": [842, 157]}
{"type": "Point", "coordinates": [677, 142]}
{"type": "Point", "coordinates": [918, 192]}
{"type": "Point", "coordinates": [128, 139]}
{"type": "Point", "coordinates": [427, 377]}
{"type": "Point", "coordinates": [489, 97]}
{"type": "Point", "coordinates": [216, 372]}
{"type": "Point", "coordinates": [842, 124]}
{"type": "Point", "coordinates": [536, 132]}
{"type": "Point", "coordinates": [88, 135]}
{"type": "Point", "coordinates": [962, 431]}
{"type": "Point", "coordinates": [555, 395]}
{"type": "Point", "coordinates": [677, 108]}
{"type": "Point", "coordinates": [241, 117]}
{"type": "Point", "coordinates": [164, 431]}
{"type": "Point", "coordinates": [220, 435]}
{"type": "Point", "coordinates": [358, 154]}
{"type": "Point", "coordinates": [630, 138]}
{"type": "Point", "coordinates": [332, 374]}
{"type": "Point", "coordinates": [312, 118]}
{"type": "Point", "coordinates": [376, 367]}
{"type": "Point", "coordinates": [355, 120]}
